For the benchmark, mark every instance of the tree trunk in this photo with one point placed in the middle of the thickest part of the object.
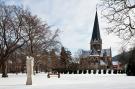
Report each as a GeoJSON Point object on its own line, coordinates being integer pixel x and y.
{"type": "Point", "coordinates": [22, 69]}
{"type": "Point", "coordinates": [36, 69]}
{"type": "Point", "coordinates": [4, 69]}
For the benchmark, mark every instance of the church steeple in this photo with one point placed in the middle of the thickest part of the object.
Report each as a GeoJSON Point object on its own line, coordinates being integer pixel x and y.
{"type": "Point", "coordinates": [96, 32]}
{"type": "Point", "coordinates": [96, 41]}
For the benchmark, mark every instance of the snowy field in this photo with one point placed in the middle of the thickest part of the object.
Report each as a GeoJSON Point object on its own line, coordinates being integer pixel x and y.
{"type": "Point", "coordinates": [69, 81]}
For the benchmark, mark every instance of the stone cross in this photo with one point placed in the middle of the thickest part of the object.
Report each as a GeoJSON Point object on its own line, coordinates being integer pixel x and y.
{"type": "Point", "coordinates": [29, 66]}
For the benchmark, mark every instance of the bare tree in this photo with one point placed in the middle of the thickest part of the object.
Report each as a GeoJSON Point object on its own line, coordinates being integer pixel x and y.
{"type": "Point", "coordinates": [40, 37]}
{"type": "Point", "coordinates": [123, 57]}
{"type": "Point", "coordinates": [18, 27]}
{"type": "Point", "coordinates": [120, 15]}
{"type": "Point", "coordinates": [11, 33]}
{"type": "Point", "coordinates": [39, 34]}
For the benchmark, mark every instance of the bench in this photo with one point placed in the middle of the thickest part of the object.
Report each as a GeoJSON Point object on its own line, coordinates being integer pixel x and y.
{"type": "Point", "coordinates": [52, 74]}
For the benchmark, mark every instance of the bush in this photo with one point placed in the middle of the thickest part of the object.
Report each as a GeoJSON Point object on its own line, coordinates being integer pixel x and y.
{"type": "Point", "coordinates": [62, 72]}
{"type": "Point", "coordinates": [99, 71]}
{"type": "Point", "coordinates": [109, 71]}
{"type": "Point", "coordinates": [80, 71]}
{"type": "Point", "coordinates": [70, 71]}
{"type": "Point", "coordinates": [65, 72]}
{"type": "Point", "coordinates": [122, 71]}
{"type": "Point", "coordinates": [119, 71]}
{"type": "Point", "coordinates": [130, 70]}
{"type": "Point", "coordinates": [94, 71]}
{"type": "Point", "coordinates": [89, 71]}
{"type": "Point", "coordinates": [104, 71]}
{"type": "Point", "coordinates": [75, 72]}
{"type": "Point", "coordinates": [84, 71]}
{"type": "Point", "coordinates": [114, 71]}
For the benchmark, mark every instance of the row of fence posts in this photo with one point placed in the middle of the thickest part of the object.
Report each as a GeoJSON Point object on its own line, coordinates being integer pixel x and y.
{"type": "Point", "coordinates": [92, 72]}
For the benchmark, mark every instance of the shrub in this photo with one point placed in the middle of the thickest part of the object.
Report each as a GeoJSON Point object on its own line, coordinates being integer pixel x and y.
{"type": "Point", "coordinates": [89, 71]}
{"type": "Point", "coordinates": [94, 71]}
{"type": "Point", "coordinates": [75, 72]}
{"type": "Point", "coordinates": [65, 71]}
{"type": "Point", "coordinates": [114, 71]}
{"type": "Point", "coordinates": [104, 71]}
{"type": "Point", "coordinates": [99, 71]}
{"type": "Point", "coordinates": [109, 71]}
{"type": "Point", "coordinates": [119, 71]}
{"type": "Point", "coordinates": [122, 71]}
{"type": "Point", "coordinates": [80, 71]}
{"type": "Point", "coordinates": [130, 71]}
{"type": "Point", "coordinates": [70, 71]}
{"type": "Point", "coordinates": [84, 71]}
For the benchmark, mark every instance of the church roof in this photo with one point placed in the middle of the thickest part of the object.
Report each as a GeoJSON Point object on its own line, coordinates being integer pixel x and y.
{"type": "Point", "coordinates": [96, 32]}
{"type": "Point", "coordinates": [93, 52]}
{"type": "Point", "coordinates": [104, 53]}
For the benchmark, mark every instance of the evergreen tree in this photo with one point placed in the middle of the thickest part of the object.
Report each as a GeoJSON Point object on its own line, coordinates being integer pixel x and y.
{"type": "Point", "coordinates": [130, 71]}
{"type": "Point", "coordinates": [63, 58]}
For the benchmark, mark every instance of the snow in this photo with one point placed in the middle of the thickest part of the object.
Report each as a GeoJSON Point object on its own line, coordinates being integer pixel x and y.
{"type": "Point", "coordinates": [102, 62]}
{"type": "Point", "coordinates": [69, 81]}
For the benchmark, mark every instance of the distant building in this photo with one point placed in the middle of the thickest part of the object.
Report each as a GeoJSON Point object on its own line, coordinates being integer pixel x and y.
{"type": "Point", "coordinates": [116, 65]}
{"type": "Point", "coordinates": [96, 57]}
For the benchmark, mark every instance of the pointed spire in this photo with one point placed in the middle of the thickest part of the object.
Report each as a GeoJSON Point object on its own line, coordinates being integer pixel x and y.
{"type": "Point", "coordinates": [96, 32]}
{"type": "Point", "coordinates": [96, 7]}
{"type": "Point", "coordinates": [110, 51]}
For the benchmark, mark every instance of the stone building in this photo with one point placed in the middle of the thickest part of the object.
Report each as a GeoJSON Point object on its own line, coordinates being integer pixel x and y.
{"type": "Point", "coordinates": [96, 57]}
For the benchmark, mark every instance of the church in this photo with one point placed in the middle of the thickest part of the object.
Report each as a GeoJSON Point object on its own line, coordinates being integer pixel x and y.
{"type": "Point", "coordinates": [96, 57]}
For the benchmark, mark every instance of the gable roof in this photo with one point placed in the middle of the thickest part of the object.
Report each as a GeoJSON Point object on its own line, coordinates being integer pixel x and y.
{"type": "Point", "coordinates": [105, 52]}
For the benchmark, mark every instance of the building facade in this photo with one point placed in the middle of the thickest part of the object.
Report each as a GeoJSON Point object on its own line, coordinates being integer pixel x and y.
{"type": "Point", "coordinates": [96, 57]}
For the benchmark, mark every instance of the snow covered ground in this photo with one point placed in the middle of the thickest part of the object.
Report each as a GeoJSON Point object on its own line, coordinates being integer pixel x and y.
{"type": "Point", "coordinates": [70, 81]}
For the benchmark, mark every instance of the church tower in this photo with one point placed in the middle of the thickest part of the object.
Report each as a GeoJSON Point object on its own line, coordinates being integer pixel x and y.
{"type": "Point", "coordinates": [96, 41]}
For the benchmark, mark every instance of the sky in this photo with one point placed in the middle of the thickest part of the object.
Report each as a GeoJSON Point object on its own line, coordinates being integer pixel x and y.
{"type": "Point", "coordinates": [75, 19]}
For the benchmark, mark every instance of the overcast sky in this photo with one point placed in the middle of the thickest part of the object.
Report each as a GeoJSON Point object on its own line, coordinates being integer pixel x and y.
{"type": "Point", "coordinates": [75, 19]}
